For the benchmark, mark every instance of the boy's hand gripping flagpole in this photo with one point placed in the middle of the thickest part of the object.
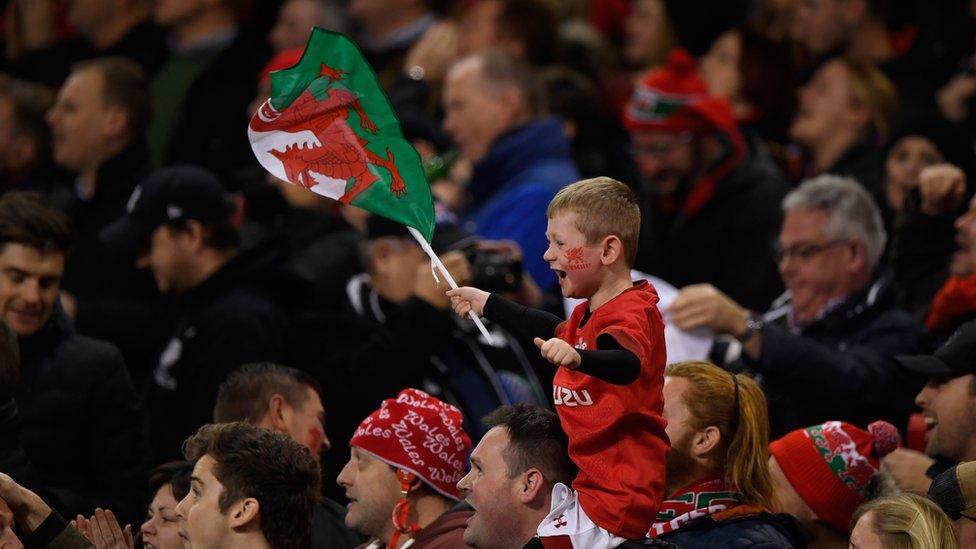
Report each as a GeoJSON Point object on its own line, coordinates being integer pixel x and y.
{"type": "Point", "coordinates": [450, 279]}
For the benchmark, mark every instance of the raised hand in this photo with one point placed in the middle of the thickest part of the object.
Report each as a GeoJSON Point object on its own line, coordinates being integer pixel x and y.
{"type": "Point", "coordinates": [558, 352]}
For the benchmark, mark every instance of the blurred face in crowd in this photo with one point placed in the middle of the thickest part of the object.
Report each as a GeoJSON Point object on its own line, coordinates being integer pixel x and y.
{"type": "Point", "coordinates": [648, 33]}
{"type": "Point", "coordinates": [476, 111]}
{"type": "Point", "coordinates": [295, 22]}
{"type": "Point", "coordinates": [666, 160]}
{"type": "Point", "coordinates": [169, 13]}
{"type": "Point", "coordinates": [29, 284]}
{"type": "Point", "coordinates": [820, 25]}
{"type": "Point", "coordinates": [373, 13]}
{"type": "Point", "coordinates": [493, 494]}
{"type": "Point", "coordinates": [373, 490]}
{"type": "Point", "coordinates": [84, 129]}
{"type": "Point", "coordinates": [719, 67]}
{"type": "Point", "coordinates": [305, 423]}
{"type": "Point", "coordinates": [949, 407]}
{"type": "Point", "coordinates": [827, 107]}
{"type": "Point", "coordinates": [203, 525]}
{"type": "Point", "coordinates": [479, 30]}
{"type": "Point", "coordinates": [8, 539]}
{"type": "Point", "coordinates": [162, 527]}
{"type": "Point", "coordinates": [864, 535]}
{"type": "Point", "coordinates": [394, 268]}
{"type": "Point", "coordinates": [17, 149]}
{"type": "Point", "coordinates": [787, 499]}
{"type": "Point", "coordinates": [907, 159]}
{"type": "Point", "coordinates": [88, 15]}
{"type": "Point", "coordinates": [814, 267]}
{"type": "Point", "coordinates": [964, 260]}
{"type": "Point", "coordinates": [170, 257]}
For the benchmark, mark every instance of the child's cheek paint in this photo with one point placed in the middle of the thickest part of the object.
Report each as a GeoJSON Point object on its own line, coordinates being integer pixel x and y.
{"type": "Point", "coordinates": [574, 261]}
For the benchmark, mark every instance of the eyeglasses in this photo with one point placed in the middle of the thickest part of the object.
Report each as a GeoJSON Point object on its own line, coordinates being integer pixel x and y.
{"type": "Point", "coordinates": [661, 150]}
{"type": "Point", "coordinates": [803, 252]}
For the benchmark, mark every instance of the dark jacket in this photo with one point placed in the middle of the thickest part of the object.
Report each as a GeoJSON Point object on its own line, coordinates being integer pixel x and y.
{"type": "Point", "coordinates": [762, 531]}
{"type": "Point", "coordinates": [921, 247]}
{"type": "Point", "coordinates": [116, 301]}
{"type": "Point", "coordinates": [228, 320]}
{"type": "Point", "coordinates": [209, 127]}
{"type": "Point", "coordinates": [511, 187]}
{"type": "Point", "coordinates": [841, 367]}
{"type": "Point", "coordinates": [144, 44]}
{"type": "Point", "coordinates": [329, 530]}
{"type": "Point", "coordinates": [727, 242]}
{"type": "Point", "coordinates": [444, 533]}
{"type": "Point", "coordinates": [82, 421]}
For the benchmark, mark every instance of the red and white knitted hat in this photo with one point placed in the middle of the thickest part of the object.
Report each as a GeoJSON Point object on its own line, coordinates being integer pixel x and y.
{"type": "Point", "coordinates": [419, 434]}
{"type": "Point", "coordinates": [831, 465]}
{"type": "Point", "coordinates": [674, 98]}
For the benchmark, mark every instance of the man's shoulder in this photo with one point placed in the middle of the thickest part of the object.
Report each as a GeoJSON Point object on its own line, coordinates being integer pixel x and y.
{"type": "Point", "coordinates": [89, 351]}
{"type": "Point", "coordinates": [766, 530]}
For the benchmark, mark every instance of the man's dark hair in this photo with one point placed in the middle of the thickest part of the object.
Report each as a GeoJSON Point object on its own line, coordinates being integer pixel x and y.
{"type": "Point", "coordinates": [175, 473]}
{"type": "Point", "coordinates": [499, 67]}
{"type": "Point", "coordinates": [245, 394]}
{"type": "Point", "coordinates": [535, 439]}
{"type": "Point", "coordinates": [124, 84]}
{"type": "Point", "coordinates": [26, 219]}
{"type": "Point", "coordinates": [251, 462]}
{"type": "Point", "coordinates": [533, 23]}
{"type": "Point", "coordinates": [29, 104]}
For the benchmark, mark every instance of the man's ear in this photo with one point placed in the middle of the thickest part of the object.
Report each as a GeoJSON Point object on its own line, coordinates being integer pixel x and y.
{"type": "Point", "coordinates": [857, 256]}
{"type": "Point", "coordinates": [611, 249]}
{"type": "Point", "coordinates": [531, 484]}
{"type": "Point", "coordinates": [380, 253]}
{"type": "Point", "coordinates": [116, 121]}
{"type": "Point", "coordinates": [245, 513]}
{"type": "Point", "coordinates": [277, 412]}
{"type": "Point", "coordinates": [193, 235]}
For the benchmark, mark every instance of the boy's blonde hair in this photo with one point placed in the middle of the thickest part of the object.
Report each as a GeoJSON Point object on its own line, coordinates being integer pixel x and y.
{"type": "Point", "coordinates": [603, 207]}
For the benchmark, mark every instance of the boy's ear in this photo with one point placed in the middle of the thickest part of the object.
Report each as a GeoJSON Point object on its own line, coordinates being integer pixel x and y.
{"type": "Point", "coordinates": [612, 249]}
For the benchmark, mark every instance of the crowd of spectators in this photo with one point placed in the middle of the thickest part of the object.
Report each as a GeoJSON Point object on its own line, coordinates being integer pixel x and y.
{"type": "Point", "coordinates": [192, 345]}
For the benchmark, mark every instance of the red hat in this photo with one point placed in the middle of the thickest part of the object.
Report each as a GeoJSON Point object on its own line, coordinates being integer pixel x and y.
{"type": "Point", "coordinates": [831, 465]}
{"type": "Point", "coordinates": [674, 98]}
{"type": "Point", "coordinates": [419, 434]}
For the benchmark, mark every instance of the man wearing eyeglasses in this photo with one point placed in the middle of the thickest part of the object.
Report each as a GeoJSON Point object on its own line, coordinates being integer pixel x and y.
{"type": "Point", "coordinates": [825, 350]}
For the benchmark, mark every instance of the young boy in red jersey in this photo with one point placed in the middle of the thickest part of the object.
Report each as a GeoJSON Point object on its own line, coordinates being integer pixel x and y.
{"type": "Point", "coordinates": [608, 390]}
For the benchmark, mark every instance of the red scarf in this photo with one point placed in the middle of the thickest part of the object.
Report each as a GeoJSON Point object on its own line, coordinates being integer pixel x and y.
{"type": "Point", "coordinates": [706, 497]}
{"type": "Point", "coordinates": [955, 298]}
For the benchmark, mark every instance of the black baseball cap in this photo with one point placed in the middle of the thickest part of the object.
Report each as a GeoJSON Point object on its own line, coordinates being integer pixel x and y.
{"type": "Point", "coordinates": [957, 357]}
{"type": "Point", "coordinates": [169, 195]}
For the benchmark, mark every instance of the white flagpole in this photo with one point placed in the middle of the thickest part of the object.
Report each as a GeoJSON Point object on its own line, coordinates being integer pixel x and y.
{"type": "Point", "coordinates": [450, 279]}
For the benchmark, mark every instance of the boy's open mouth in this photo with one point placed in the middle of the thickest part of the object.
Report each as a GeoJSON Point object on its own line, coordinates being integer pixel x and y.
{"type": "Point", "coordinates": [560, 274]}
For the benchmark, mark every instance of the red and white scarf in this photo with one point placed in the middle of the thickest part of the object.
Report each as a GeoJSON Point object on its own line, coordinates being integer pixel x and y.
{"type": "Point", "coordinates": [706, 497]}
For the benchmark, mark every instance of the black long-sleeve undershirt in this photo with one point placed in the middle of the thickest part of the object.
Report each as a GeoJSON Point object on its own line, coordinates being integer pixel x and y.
{"type": "Point", "coordinates": [611, 363]}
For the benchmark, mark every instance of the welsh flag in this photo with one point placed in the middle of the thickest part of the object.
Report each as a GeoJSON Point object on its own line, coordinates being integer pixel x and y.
{"type": "Point", "coordinates": [329, 127]}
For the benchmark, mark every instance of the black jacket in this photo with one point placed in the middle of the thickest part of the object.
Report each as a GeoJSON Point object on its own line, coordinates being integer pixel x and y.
{"type": "Point", "coordinates": [228, 320]}
{"type": "Point", "coordinates": [116, 301]}
{"type": "Point", "coordinates": [82, 421]}
{"type": "Point", "coordinates": [727, 243]}
{"type": "Point", "coordinates": [763, 531]}
{"type": "Point", "coordinates": [841, 367]}
{"type": "Point", "coordinates": [329, 530]}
